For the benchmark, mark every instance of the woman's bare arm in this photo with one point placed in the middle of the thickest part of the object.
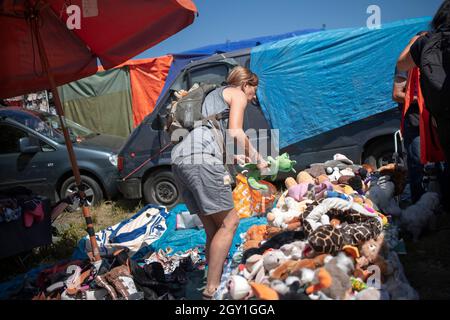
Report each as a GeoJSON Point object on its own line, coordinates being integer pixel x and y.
{"type": "Point", "coordinates": [238, 102]}
{"type": "Point", "coordinates": [405, 61]}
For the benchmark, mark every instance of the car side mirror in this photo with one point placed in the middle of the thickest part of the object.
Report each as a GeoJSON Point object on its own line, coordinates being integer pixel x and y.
{"type": "Point", "coordinates": [28, 145]}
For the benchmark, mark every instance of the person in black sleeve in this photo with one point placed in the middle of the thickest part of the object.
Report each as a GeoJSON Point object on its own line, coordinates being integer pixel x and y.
{"type": "Point", "coordinates": [438, 105]}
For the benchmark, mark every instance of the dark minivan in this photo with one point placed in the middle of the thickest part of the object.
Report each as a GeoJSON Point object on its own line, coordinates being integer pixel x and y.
{"type": "Point", "coordinates": [370, 140]}
{"type": "Point", "coordinates": [33, 155]}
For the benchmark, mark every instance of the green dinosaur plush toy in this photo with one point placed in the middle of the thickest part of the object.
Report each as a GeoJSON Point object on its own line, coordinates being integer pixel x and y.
{"type": "Point", "coordinates": [279, 164]}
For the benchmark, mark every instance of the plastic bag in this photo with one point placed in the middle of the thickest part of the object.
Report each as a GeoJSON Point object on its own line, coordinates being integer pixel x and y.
{"type": "Point", "coordinates": [250, 202]}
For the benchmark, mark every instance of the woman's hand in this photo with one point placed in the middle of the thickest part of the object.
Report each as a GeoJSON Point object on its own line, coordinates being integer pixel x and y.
{"type": "Point", "coordinates": [241, 159]}
{"type": "Point", "coordinates": [263, 167]}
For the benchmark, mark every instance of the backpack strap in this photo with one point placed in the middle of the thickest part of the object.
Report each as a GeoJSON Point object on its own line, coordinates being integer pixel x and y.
{"type": "Point", "coordinates": [214, 119]}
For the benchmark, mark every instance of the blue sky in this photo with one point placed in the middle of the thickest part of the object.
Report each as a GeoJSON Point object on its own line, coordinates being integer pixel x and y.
{"type": "Point", "coordinates": [222, 20]}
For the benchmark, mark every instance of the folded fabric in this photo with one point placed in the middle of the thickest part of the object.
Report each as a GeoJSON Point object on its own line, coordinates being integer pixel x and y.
{"type": "Point", "coordinates": [185, 220]}
{"type": "Point", "coordinates": [142, 229]}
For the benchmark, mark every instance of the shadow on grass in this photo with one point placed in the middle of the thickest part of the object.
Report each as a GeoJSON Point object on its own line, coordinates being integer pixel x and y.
{"type": "Point", "coordinates": [428, 261]}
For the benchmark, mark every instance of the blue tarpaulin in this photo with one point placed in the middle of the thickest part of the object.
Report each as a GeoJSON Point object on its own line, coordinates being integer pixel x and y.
{"type": "Point", "coordinates": [321, 81]}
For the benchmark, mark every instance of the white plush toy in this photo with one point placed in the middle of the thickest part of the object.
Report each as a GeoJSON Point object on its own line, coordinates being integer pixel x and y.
{"type": "Point", "coordinates": [294, 250]}
{"type": "Point", "coordinates": [254, 269]}
{"type": "Point", "coordinates": [299, 207]}
{"type": "Point", "coordinates": [238, 288]}
{"type": "Point", "coordinates": [273, 258]}
{"type": "Point", "coordinates": [333, 173]}
{"type": "Point", "coordinates": [279, 218]}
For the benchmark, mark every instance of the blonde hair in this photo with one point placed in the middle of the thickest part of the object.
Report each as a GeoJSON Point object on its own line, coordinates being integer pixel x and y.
{"type": "Point", "coordinates": [241, 76]}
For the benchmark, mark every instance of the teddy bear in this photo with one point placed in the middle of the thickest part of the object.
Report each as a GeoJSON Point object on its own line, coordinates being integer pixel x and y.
{"type": "Point", "coordinates": [369, 253]}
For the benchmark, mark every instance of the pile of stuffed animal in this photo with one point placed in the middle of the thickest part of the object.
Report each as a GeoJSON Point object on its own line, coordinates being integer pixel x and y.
{"type": "Point", "coordinates": [325, 238]}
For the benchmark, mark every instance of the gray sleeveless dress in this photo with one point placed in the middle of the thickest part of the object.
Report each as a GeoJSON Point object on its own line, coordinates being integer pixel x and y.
{"type": "Point", "coordinates": [197, 163]}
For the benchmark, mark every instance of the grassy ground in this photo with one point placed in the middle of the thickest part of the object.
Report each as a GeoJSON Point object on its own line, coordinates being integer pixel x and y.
{"type": "Point", "coordinates": [71, 228]}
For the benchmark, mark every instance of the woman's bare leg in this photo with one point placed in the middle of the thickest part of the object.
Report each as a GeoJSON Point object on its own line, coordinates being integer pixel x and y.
{"type": "Point", "coordinates": [210, 230]}
{"type": "Point", "coordinates": [227, 223]}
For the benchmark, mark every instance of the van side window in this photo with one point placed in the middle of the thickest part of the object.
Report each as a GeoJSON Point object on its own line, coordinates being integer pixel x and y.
{"type": "Point", "coordinates": [45, 147]}
{"type": "Point", "coordinates": [213, 75]}
{"type": "Point", "coordinates": [9, 139]}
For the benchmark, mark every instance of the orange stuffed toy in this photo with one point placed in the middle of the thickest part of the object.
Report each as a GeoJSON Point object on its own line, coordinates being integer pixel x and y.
{"type": "Point", "coordinates": [324, 281]}
{"type": "Point", "coordinates": [292, 267]}
{"type": "Point", "coordinates": [254, 236]}
{"type": "Point", "coordinates": [263, 292]}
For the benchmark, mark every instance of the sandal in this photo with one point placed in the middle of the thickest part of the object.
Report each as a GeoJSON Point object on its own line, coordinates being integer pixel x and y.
{"type": "Point", "coordinates": [207, 295]}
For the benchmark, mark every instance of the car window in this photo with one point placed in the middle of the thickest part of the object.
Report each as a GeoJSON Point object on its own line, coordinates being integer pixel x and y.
{"type": "Point", "coordinates": [9, 138]}
{"type": "Point", "coordinates": [214, 75]}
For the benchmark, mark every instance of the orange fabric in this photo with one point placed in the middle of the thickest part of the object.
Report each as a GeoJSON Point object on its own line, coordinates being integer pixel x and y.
{"type": "Point", "coordinates": [430, 147]}
{"type": "Point", "coordinates": [147, 77]}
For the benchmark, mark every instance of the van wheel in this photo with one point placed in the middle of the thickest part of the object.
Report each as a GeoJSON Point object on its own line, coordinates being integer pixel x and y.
{"type": "Point", "coordinates": [92, 189]}
{"type": "Point", "coordinates": [161, 189]}
{"type": "Point", "coordinates": [379, 153]}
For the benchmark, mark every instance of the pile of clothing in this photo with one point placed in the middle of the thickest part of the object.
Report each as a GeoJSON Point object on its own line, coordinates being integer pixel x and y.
{"type": "Point", "coordinates": [115, 277]}
{"type": "Point", "coordinates": [332, 235]}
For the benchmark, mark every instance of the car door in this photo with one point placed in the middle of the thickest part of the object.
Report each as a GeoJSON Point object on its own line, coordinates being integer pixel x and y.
{"type": "Point", "coordinates": [24, 169]}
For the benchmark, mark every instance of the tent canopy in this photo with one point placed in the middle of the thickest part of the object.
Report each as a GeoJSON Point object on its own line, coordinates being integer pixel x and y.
{"type": "Point", "coordinates": [117, 100]}
{"type": "Point", "coordinates": [321, 81]}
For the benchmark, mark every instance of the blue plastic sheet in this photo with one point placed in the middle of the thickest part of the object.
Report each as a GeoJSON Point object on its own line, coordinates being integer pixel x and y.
{"type": "Point", "coordinates": [321, 81]}
{"type": "Point", "coordinates": [183, 240]}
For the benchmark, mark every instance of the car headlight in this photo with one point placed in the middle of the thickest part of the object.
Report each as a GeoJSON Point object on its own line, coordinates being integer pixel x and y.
{"type": "Point", "coordinates": [113, 159]}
